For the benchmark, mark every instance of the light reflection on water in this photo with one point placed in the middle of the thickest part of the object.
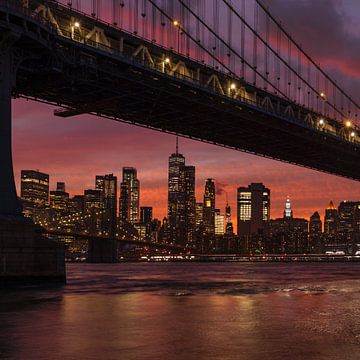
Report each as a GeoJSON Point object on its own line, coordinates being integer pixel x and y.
{"type": "Point", "coordinates": [187, 311]}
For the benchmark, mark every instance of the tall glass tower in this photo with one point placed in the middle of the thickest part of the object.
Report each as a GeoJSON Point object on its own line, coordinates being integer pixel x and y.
{"type": "Point", "coordinates": [181, 199]}
{"type": "Point", "coordinates": [209, 207]}
{"type": "Point", "coordinates": [130, 196]}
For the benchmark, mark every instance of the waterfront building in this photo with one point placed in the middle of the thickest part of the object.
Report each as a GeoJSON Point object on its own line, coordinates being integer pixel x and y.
{"type": "Point", "coordinates": [253, 209]}
{"type": "Point", "coordinates": [34, 190]}
{"type": "Point", "coordinates": [209, 207]}
{"type": "Point", "coordinates": [130, 196]}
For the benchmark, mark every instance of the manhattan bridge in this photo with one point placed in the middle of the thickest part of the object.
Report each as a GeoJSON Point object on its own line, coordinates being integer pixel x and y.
{"type": "Point", "coordinates": [225, 72]}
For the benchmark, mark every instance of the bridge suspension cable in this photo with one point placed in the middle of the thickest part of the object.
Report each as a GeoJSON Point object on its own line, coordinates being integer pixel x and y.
{"type": "Point", "coordinates": [309, 58]}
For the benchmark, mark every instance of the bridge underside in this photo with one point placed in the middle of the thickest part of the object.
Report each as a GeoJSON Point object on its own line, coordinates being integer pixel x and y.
{"type": "Point", "coordinates": [131, 93]}
{"type": "Point", "coordinates": [93, 79]}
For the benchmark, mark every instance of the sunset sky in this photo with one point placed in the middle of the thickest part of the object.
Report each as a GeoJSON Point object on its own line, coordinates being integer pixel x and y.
{"type": "Point", "coordinates": [74, 150]}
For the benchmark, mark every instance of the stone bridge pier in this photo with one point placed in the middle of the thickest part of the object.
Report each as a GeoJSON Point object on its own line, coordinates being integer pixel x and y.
{"type": "Point", "coordinates": [25, 254]}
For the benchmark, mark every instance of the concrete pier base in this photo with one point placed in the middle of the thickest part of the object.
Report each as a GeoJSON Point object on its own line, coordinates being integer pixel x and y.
{"type": "Point", "coordinates": [26, 256]}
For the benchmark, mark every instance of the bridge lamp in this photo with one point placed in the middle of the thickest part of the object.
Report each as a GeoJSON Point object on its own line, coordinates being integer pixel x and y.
{"type": "Point", "coordinates": [352, 134]}
{"type": "Point", "coordinates": [167, 61]}
{"type": "Point", "coordinates": [233, 86]}
{"type": "Point", "coordinates": [321, 122]}
{"type": "Point", "coordinates": [348, 124]}
{"type": "Point", "coordinates": [322, 95]}
{"type": "Point", "coordinates": [176, 23]}
{"type": "Point", "coordinates": [76, 24]}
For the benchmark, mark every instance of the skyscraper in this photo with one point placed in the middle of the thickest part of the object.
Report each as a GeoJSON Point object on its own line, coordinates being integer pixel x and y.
{"type": "Point", "coordinates": [219, 222]}
{"type": "Point", "coordinates": [187, 203]}
{"type": "Point", "coordinates": [253, 209]}
{"type": "Point", "coordinates": [315, 232]}
{"type": "Point", "coordinates": [181, 199]}
{"type": "Point", "coordinates": [107, 185]}
{"type": "Point", "coordinates": [130, 196]}
{"type": "Point", "coordinates": [209, 207]}
{"type": "Point", "coordinates": [34, 189]}
{"type": "Point", "coordinates": [229, 229]}
{"type": "Point", "coordinates": [331, 220]}
{"type": "Point", "coordinates": [347, 219]}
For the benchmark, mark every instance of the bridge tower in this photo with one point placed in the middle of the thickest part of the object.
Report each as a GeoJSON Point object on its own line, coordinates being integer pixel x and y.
{"type": "Point", "coordinates": [25, 254]}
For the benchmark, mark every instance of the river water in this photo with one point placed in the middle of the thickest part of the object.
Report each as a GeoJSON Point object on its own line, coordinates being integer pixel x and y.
{"type": "Point", "coordinates": [187, 311]}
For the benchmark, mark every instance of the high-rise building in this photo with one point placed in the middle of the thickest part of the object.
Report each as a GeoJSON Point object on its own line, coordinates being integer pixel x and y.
{"type": "Point", "coordinates": [34, 189]}
{"type": "Point", "coordinates": [209, 207]}
{"type": "Point", "coordinates": [219, 222]}
{"type": "Point", "coordinates": [130, 196]}
{"type": "Point", "coordinates": [187, 203]}
{"type": "Point", "coordinates": [229, 229]}
{"type": "Point", "coordinates": [199, 220]}
{"type": "Point", "coordinates": [181, 199]}
{"type": "Point", "coordinates": [331, 220]}
{"type": "Point", "coordinates": [176, 161]}
{"type": "Point", "coordinates": [59, 199]}
{"type": "Point", "coordinates": [253, 209]}
{"type": "Point", "coordinates": [315, 232]}
{"type": "Point", "coordinates": [107, 185]}
{"type": "Point", "coordinates": [347, 220]}
{"type": "Point", "coordinates": [146, 214]}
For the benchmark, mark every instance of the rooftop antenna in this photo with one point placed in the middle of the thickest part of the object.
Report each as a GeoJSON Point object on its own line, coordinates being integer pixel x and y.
{"type": "Point", "coordinates": [227, 199]}
{"type": "Point", "coordinates": [177, 145]}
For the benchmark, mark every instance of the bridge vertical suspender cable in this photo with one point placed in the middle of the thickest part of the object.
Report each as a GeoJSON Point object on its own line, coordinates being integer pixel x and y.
{"type": "Point", "coordinates": [289, 68]}
{"type": "Point", "coordinates": [221, 40]}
